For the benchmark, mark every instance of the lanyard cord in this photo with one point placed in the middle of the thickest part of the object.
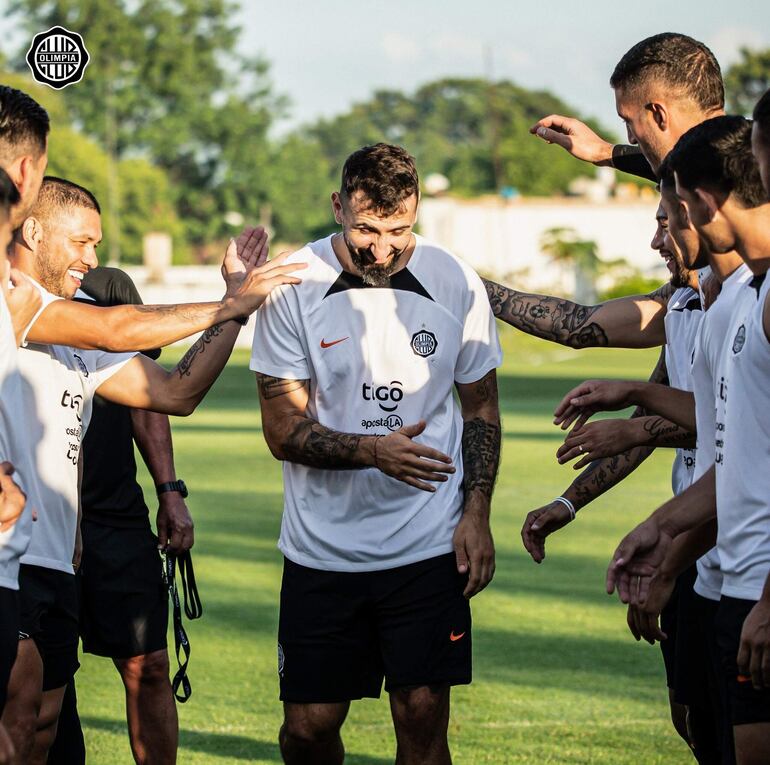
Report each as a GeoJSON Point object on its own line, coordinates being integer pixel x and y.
{"type": "Point", "coordinates": [192, 608]}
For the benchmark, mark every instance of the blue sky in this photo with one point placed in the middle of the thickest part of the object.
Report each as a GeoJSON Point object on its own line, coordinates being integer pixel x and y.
{"type": "Point", "coordinates": [326, 55]}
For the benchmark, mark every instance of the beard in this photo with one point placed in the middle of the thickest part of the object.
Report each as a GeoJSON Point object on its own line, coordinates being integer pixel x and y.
{"type": "Point", "coordinates": [681, 276]}
{"type": "Point", "coordinates": [50, 278]}
{"type": "Point", "coordinates": [373, 274]}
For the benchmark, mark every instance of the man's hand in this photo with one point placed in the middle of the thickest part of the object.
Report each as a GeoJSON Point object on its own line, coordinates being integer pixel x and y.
{"type": "Point", "coordinates": [174, 523]}
{"type": "Point", "coordinates": [754, 651]}
{"type": "Point", "coordinates": [636, 560]}
{"type": "Point", "coordinates": [539, 524]}
{"type": "Point", "coordinates": [77, 553]}
{"type": "Point", "coordinates": [7, 752]}
{"type": "Point", "coordinates": [474, 549]}
{"type": "Point", "coordinates": [244, 254]}
{"type": "Point", "coordinates": [643, 619]}
{"type": "Point", "coordinates": [399, 456]}
{"type": "Point", "coordinates": [575, 137]}
{"type": "Point", "coordinates": [12, 498]}
{"type": "Point", "coordinates": [596, 440]}
{"type": "Point", "coordinates": [593, 396]}
{"type": "Point", "coordinates": [260, 280]}
{"type": "Point", "coordinates": [23, 300]}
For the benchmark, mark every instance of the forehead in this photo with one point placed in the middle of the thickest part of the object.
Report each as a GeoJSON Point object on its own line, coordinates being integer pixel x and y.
{"type": "Point", "coordinates": [360, 208]}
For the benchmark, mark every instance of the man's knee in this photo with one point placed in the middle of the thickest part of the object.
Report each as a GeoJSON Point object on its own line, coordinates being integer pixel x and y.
{"type": "Point", "coordinates": [422, 711]}
{"type": "Point", "coordinates": [751, 744]}
{"type": "Point", "coordinates": [312, 724]}
{"type": "Point", "coordinates": [148, 669]}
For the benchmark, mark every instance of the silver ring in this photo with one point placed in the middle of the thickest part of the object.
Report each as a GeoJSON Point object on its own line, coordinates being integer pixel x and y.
{"type": "Point", "coordinates": [580, 447]}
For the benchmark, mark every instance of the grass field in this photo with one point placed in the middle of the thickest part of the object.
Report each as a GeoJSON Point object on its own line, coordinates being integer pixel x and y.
{"type": "Point", "coordinates": [558, 678]}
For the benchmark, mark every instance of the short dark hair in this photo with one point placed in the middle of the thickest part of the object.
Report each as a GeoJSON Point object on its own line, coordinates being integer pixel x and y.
{"type": "Point", "coordinates": [384, 173]}
{"type": "Point", "coordinates": [9, 195]}
{"type": "Point", "coordinates": [716, 155]}
{"type": "Point", "coordinates": [679, 62]}
{"type": "Point", "coordinates": [23, 123]}
{"type": "Point", "coordinates": [665, 173]}
{"type": "Point", "coordinates": [762, 115]}
{"type": "Point", "coordinates": [59, 194]}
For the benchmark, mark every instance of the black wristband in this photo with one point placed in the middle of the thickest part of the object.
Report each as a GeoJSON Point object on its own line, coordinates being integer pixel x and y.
{"type": "Point", "coordinates": [180, 486]}
{"type": "Point", "coordinates": [242, 320]}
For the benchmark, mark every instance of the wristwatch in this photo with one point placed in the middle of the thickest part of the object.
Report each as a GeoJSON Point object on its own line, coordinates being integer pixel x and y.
{"type": "Point", "coordinates": [180, 486]}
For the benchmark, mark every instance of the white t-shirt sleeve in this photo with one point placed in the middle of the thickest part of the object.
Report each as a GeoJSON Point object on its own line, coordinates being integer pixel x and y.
{"type": "Point", "coordinates": [48, 298]}
{"type": "Point", "coordinates": [103, 365]}
{"type": "Point", "coordinates": [480, 351]}
{"type": "Point", "coordinates": [277, 349]}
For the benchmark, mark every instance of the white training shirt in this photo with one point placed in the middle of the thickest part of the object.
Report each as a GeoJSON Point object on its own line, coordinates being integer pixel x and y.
{"type": "Point", "coordinates": [683, 316]}
{"type": "Point", "coordinates": [17, 447]}
{"type": "Point", "coordinates": [59, 398]}
{"type": "Point", "coordinates": [376, 359]}
{"type": "Point", "coordinates": [709, 347]}
{"type": "Point", "coordinates": [742, 453]}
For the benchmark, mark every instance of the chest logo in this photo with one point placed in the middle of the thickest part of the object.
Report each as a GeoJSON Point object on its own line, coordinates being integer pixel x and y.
{"type": "Point", "coordinates": [740, 339]}
{"type": "Point", "coordinates": [424, 343]}
{"type": "Point", "coordinates": [324, 344]}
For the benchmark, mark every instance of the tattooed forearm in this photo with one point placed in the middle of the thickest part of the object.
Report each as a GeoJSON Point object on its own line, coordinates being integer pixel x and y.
{"type": "Point", "coordinates": [310, 443]}
{"type": "Point", "coordinates": [481, 455]}
{"type": "Point", "coordinates": [601, 475]}
{"type": "Point", "coordinates": [556, 319]}
{"type": "Point", "coordinates": [198, 347]}
{"type": "Point", "coordinates": [271, 387]}
{"type": "Point", "coordinates": [663, 432]}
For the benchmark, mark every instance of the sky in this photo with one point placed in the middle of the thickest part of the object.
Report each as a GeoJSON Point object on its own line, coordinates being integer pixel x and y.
{"type": "Point", "coordinates": [328, 55]}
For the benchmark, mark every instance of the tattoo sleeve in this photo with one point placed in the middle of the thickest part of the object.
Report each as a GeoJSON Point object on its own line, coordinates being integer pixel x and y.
{"type": "Point", "coordinates": [550, 318]}
{"type": "Point", "coordinates": [665, 433]}
{"type": "Point", "coordinates": [481, 455]}
{"type": "Point", "coordinates": [196, 349]}
{"type": "Point", "coordinates": [313, 444]}
{"type": "Point", "coordinates": [271, 387]}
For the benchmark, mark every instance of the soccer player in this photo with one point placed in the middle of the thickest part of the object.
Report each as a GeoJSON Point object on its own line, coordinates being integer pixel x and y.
{"type": "Point", "coordinates": [718, 180]}
{"type": "Point", "coordinates": [57, 239]}
{"type": "Point", "coordinates": [387, 479]}
{"type": "Point", "coordinates": [760, 139]}
{"type": "Point", "coordinates": [123, 605]}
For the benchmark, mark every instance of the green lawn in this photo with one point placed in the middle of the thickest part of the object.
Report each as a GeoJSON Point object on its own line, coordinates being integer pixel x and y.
{"type": "Point", "coordinates": [558, 678]}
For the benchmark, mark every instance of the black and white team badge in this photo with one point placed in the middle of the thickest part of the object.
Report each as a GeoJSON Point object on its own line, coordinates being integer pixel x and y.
{"type": "Point", "coordinates": [58, 57]}
{"type": "Point", "coordinates": [740, 339]}
{"type": "Point", "coordinates": [424, 343]}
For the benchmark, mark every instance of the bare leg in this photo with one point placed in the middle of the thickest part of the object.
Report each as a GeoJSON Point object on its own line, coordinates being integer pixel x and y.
{"type": "Point", "coordinates": [25, 695]}
{"type": "Point", "coordinates": [47, 719]}
{"type": "Point", "coordinates": [310, 734]}
{"type": "Point", "coordinates": [751, 744]}
{"type": "Point", "coordinates": [153, 726]}
{"type": "Point", "coordinates": [421, 720]}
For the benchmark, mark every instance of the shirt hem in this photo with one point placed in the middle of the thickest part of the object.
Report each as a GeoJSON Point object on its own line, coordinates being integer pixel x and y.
{"type": "Point", "coordinates": [56, 565]}
{"type": "Point", "coordinates": [355, 566]}
{"type": "Point", "coordinates": [710, 593]}
{"type": "Point", "coordinates": [9, 583]}
{"type": "Point", "coordinates": [742, 593]}
{"type": "Point", "coordinates": [473, 377]}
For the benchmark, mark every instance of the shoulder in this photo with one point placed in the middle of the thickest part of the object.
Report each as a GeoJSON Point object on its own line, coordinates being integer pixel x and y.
{"type": "Point", "coordinates": [110, 286]}
{"type": "Point", "coordinates": [440, 267]}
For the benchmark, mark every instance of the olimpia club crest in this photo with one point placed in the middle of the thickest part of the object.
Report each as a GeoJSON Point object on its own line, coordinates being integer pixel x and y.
{"type": "Point", "coordinates": [58, 57]}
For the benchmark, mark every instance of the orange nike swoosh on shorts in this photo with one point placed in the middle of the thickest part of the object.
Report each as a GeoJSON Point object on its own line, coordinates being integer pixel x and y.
{"type": "Point", "coordinates": [744, 678]}
{"type": "Point", "coordinates": [324, 344]}
{"type": "Point", "coordinates": [454, 637]}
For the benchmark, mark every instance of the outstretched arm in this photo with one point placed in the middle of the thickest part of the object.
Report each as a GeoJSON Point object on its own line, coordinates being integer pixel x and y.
{"type": "Point", "coordinates": [629, 322]}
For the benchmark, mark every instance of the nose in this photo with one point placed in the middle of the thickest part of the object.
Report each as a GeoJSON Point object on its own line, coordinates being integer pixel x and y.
{"type": "Point", "coordinates": [380, 249]}
{"type": "Point", "coordinates": [657, 239]}
{"type": "Point", "coordinates": [90, 259]}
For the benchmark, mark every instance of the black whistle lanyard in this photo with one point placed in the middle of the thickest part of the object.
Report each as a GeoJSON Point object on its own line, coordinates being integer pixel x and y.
{"type": "Point", "coordinates": [192, 608]}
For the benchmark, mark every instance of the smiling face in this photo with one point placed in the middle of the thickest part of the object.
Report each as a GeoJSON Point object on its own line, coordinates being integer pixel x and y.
{"type": "Point", "coordinates": [663, 243]}
{"type": "Point", "coordinates": [680, 236]}
{"type": "Point", "coordinates": [760, 148]}
{"type": "Point", "coordinates": [65, 249]}
{"type": "Point", "coordinates": [376, 243]}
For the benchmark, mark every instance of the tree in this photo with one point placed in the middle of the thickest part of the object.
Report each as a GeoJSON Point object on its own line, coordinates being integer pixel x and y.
{"type": "Point", "coordinates": [746, 80]}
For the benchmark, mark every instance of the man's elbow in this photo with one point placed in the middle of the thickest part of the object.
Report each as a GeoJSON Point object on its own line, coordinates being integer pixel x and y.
{"type": "Point", "coordinates": [274, 442]}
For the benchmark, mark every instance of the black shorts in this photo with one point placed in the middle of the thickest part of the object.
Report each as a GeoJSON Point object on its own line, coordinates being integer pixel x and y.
{"type": "Point", "coordinates": [49, 616]}
{"type": "Point", "coordinates": [9, 638]}
{"type": "Point", "coordinates": [671, 647]}
{"type": "Point", "coordinates": [341, 633]}
{"type": "Point", "coordinates": [746, 705]}
{"type": "Point", "coordinates": [124, 602]}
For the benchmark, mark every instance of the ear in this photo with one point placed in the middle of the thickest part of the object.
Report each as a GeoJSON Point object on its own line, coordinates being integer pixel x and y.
{"type": "Point", "coordinates": [26, 173]}
{"type": "Point", "coordinates": [709, 201]}
{"type": "Point", "coordinates": [337, 206]}
{"type": "Point", "coordinates": [30, 233]}
{"type": "Point", "coordinates": [660, 115]}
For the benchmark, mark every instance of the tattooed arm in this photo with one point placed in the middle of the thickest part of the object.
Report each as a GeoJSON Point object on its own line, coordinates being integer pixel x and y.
{"type": "Point", "coordinates": [629, 322]}
{"type": "Point", "coordinates": [295, 437]}
{"type": "Point", "coordinates": [474, 548]}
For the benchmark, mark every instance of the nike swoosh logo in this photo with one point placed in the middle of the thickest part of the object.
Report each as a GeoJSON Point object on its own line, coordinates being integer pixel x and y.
{"type": "Point", "coordinates": [454, 637]}
{"type": "Point", "coordinates": [324, 344]}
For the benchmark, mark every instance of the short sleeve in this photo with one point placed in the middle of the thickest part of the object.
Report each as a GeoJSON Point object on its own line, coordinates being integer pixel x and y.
{"type": "Point", "coordinates": [48, 298]}
{"type": "Point", "coordinates": [278, 349]}
{"type": "Point", "coordinates": [480, 352]}
{"type": "Point", "coordinates": [102, 366]}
